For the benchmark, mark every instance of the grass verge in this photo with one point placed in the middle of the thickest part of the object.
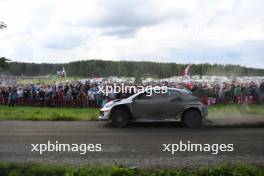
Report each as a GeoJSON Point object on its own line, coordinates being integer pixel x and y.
{"type": "Point", "coordinates": [234, 110]}
{"type": "Point", "coordinates": [46, 113]}
{"type": "Point", "coordinates": [70, 114]}
{"type": "Point", "coordinates": [31, 169]}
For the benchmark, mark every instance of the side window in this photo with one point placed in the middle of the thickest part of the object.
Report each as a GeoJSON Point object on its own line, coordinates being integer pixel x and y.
{"type": "Point", "coordinates": [173, 93]}
{"type": "Point", "coordinates": [147, 96]}
{"type": "Point", "coordinates": [143, 96]}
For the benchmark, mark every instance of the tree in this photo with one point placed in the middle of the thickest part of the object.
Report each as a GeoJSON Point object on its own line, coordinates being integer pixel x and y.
{"type": "Point", "coordinates": [3, 62]}
{"type": "Point", "coordinates": [99, 68]}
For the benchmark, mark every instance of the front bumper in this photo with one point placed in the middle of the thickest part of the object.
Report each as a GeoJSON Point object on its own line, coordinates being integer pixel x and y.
{"type": "Point", "coordinates": [104, 114]}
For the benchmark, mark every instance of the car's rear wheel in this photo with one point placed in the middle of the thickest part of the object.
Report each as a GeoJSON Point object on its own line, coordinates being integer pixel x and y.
{"type": "Point", "coordinates": [192, 119]}
{"type": "Point", "coordinates": [119, 118]}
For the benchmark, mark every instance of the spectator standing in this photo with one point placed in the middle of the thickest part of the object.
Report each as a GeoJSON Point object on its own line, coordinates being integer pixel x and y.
{"type": "Point", "coordinates": [261, 90]}
{"type": "Point", "coordinates": [12, 97]}
{"type": "Point", "coordinates": [238, 94]}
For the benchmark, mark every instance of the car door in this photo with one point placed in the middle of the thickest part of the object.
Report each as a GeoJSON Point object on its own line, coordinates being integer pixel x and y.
{"type": "Point", "coordinates": [173, 104]}
{"type": "Point", "coordinates": [149, 107]}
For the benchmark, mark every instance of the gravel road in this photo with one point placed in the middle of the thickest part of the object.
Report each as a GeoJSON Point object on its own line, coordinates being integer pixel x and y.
{"type": "Point", "coordinates": [139, 145]}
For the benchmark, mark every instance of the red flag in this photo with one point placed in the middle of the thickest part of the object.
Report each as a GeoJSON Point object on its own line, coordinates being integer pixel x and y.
{"type": "Point", "coordinates": [186, 70]}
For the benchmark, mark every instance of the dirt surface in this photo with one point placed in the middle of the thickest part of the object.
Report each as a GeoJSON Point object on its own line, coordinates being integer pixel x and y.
{"type": "Point", "coordinates": [138, 145]}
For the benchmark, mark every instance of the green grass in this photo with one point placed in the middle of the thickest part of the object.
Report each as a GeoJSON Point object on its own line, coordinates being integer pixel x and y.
{"type": "Point", "coordinates": [31, 169]}
{"type": "Point", "coordinates": [47, 79]}
{"type": "Point", "coordinates": [233, 110]}
{"type": "Point", "coordinates": [45, 113]}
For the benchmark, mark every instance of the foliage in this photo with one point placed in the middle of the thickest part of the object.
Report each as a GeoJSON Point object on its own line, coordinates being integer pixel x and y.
{"type": "Point", "coordinates": [100, 68]}
{"type": "Point", "coordinates": [3, 62]}
{"type": "Point", "coordinates": [32, 169]}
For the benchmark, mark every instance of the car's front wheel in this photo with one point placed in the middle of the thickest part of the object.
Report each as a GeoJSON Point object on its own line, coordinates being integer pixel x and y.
{"type": "Point", "coordinates": [119, 118]}
{"type": "Point", "coordinates": [192, 119]}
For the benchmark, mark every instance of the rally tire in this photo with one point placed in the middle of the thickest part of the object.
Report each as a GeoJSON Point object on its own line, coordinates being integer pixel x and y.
{"type": "Point", "coordinates": [192, 119]}
{"type": "Point", "coordinates": [119, 118]}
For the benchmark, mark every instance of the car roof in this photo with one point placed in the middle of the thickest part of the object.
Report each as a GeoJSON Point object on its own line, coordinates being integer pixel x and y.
{"type": "Point", "coordinates": [183, 91]}
{"type": "Point", "coordinates": [180, 90]}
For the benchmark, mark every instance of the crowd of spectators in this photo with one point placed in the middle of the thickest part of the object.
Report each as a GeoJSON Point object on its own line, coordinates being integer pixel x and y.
{"type": "Point", "coordinates": [61, 94]}
{"type": "Point", "coordinates": [87, 94]}
{"type": "Point", "coordinates": [240, 93]}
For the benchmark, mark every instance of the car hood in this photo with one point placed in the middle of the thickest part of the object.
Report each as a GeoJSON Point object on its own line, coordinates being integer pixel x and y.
{"type": "Point", "coordinates": [117, 102]}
